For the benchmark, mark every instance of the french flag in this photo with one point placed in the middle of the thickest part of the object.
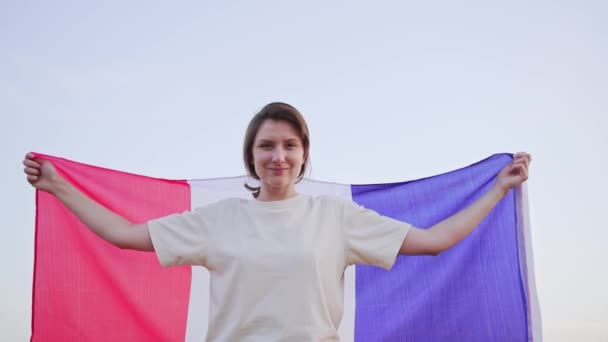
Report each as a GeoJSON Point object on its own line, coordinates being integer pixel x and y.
{"type": "Point", "coordinates": [85, 289]}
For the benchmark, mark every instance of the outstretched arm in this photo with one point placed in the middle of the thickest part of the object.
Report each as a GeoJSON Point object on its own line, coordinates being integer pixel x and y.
{"type": "Point", "coordinates": [452, 230]}
{"type": "Point", "coordinates": [110, 226]}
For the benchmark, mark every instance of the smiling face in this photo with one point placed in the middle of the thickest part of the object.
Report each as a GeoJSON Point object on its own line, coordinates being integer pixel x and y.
{"type": "Point", "coordinates": [278, 156]}
{"type": "Point", "coordinates": [276, 151]}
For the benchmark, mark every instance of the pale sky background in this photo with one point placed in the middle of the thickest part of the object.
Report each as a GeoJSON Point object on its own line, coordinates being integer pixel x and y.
{"type": "Point", "coordinates": [392, 91]}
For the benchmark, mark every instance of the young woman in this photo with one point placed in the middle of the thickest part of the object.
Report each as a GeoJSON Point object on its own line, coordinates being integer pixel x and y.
{"type": "Point", "coordinates": [276, 261]}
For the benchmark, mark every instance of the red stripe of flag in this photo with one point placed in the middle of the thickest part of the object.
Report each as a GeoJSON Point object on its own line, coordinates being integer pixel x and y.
{"type": "Point", "coordinates": [85, 289]}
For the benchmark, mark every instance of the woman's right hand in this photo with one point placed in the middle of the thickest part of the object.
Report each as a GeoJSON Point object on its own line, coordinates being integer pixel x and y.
{"type": "Point", "coordinates": [41, 174]}
{"type": "Point", "coordinates": [114, 228]}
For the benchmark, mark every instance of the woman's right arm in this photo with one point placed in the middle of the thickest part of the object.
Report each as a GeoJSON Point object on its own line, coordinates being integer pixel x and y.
{"type": "Point", "coordinates": [110, 226]}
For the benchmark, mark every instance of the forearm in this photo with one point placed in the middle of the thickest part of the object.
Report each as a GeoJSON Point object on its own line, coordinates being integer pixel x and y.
{"type": "Point", "coordinates": [102, 221]}
{"type": "Point", "coordinates": [455, 228]}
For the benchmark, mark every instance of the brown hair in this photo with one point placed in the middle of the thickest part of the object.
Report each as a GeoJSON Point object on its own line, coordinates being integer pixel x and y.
{"type": "Point", "coordinates": [277, 111]}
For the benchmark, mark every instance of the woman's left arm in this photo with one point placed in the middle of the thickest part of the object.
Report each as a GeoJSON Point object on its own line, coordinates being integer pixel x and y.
{"type": "Point", "coordinates": [450, 231]}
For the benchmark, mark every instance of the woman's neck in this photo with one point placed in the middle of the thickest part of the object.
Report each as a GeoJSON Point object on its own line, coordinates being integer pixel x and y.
{"type": "Point", "coordinates": [267, 194]}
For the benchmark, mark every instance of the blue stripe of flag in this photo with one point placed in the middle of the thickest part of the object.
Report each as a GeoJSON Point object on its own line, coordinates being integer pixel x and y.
{"type": "Point", "coordinates": [472, 292]}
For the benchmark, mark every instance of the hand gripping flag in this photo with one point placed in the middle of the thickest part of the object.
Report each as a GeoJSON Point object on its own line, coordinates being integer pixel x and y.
{"type": "Point", "coordinates": [482, 289]}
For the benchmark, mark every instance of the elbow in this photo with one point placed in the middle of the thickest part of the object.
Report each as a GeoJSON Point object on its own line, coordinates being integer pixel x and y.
{"type": "Point", "coordinates": [125, 244]}
{"type": "Point", "coordinates": [430, 250]}
{"type": "Point", "coordinates": [435, 251]}
{"type": "Point", "coordinates": [440, 248]}
{"type": "Point", "coordinates": [121, 245]}
{"type": "Point", "coordinates": [439, 244]}
{"type": "Point", "coordinates": [117, 242]}
{"type": "Point", "coordinates": [120, 237]}
{"type": "Point", "coordinates": [424, 242]}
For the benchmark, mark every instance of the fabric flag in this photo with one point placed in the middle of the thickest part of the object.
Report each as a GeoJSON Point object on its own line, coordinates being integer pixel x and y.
{"type": "Point", "coordinates": [85, 289]}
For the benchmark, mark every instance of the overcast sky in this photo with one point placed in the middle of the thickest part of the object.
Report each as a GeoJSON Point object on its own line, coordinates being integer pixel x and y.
{"type": "Point", "coordinates": [392, 91]}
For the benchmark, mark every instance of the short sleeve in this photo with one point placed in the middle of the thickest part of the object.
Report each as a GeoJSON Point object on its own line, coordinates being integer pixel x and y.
{"type": "Point", "coordinates": [371, 238]}
{"type": "Point", "coordinates": [181, 239]}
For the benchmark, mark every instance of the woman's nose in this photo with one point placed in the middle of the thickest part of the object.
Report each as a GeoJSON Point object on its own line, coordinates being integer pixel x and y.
{"type": "Point", "coordinates": [278, 155]}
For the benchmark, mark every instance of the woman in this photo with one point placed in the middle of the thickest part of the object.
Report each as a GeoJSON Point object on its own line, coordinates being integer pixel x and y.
{"type": "Point", "coordinates": [277, 261]}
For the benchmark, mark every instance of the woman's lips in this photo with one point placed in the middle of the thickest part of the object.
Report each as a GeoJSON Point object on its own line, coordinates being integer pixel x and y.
{"type": "Point", "coordinates": [278, 171]}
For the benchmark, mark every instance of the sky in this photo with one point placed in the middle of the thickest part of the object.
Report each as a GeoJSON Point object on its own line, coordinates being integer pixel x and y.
{"type": "Point", "coordinates": [391, 90]}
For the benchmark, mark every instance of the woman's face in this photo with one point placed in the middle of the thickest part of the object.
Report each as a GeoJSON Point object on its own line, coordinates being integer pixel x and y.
{"type": "Point", "coordinates": [278, 154]}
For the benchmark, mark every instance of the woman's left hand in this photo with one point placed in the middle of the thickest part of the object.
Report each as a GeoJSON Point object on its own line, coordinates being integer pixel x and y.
{"type": "Point", "coordinates": [515, 173]}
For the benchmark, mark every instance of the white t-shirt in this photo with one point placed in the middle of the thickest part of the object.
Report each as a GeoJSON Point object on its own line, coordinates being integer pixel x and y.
{"type": "Point", "coordinates": [277, 268]}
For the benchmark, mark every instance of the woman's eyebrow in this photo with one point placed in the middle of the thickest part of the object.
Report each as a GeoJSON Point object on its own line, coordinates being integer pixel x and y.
{"type": "Point", "coordinates": [272, 141]}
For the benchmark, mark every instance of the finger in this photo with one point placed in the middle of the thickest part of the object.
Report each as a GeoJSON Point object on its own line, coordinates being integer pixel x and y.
{"type": "Point", "coordinates": [522, 155]}
{"type": "Point", "coordinates": [31, 171]}
{"type": "Point", "coordinates": [30, 155]}
{"type": "Point", "coordinates": [31, 163]}
{"type": "Point", "coordinates": [526, 157]}
{"type": "Point", "coordinates": [516, 168]}
{"type": "Point", "coordinates": [521, 171]}
{"type": "Point", "coordinates": [522, 161]}
{"type": "Point", "coordinates": [32, 179]}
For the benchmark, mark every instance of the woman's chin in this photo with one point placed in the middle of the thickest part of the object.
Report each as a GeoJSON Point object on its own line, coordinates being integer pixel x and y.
{"type": "Point", "coordinates": [279, 183]}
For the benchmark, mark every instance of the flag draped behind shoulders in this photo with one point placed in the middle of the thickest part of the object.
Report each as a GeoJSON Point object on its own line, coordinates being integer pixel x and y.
{"type": "Point", "coordinates": [85, 289]}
